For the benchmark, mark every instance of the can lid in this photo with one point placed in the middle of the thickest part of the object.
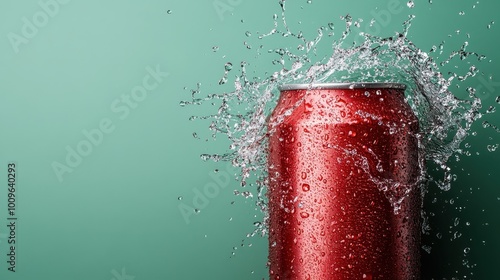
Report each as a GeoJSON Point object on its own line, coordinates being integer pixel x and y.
{"type": "Point", "coordinates": [342, 86]}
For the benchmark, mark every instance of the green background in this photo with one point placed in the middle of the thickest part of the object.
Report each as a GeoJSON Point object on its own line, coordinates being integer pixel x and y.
{"type": "Point", "coordinates": [117, 215]}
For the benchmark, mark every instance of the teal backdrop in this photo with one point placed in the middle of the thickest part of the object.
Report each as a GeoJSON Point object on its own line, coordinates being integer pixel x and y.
{"type": "Point", "coordinates": [108, 172]}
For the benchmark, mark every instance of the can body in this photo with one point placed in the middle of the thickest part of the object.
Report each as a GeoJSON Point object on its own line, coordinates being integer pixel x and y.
{"type": "Point", "coordinates": [341, 158]}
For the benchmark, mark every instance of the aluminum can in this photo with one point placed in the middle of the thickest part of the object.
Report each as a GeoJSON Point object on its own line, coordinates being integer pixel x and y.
{"type": "Point", "coordinates": [344, 199]}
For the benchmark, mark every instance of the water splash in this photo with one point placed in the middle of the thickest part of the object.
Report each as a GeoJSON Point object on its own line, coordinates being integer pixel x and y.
{"type": "Point", "coordinates": [445, 120]}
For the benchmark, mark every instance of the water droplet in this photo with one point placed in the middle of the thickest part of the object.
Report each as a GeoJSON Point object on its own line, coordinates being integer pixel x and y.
{"type": "Point", "coordinates": [351, 133]}
{"type": "Point", "coordinates": [303, 175]}
{"type": "Point", "coordinates": [490, 24]}
{"type": "Point", "coordinates": [466, 250]}
{"type": "Point", "coordinates": [461, 13]}
{"type": "Point", "coordinates": [304, 215]}
{"type": "Point", "coordinates": [492, 148]}
{"type": "Point", "coordinates": [169, 12]}
{"type": "Point", "coordinates": [248, 33]}
{"type": "Point", "coordinates": [228, 66]}
{"type": "Point", "coordinates": [196, 210]}
{"type": "Point", "coordinates": [205, 157]}
{"type": "Point", "coordinates": [427, 248]}
{"type": "Point", "coordinates": [179, 198]}
{"type": "Point", "coordinates": [308, 107]}
{"type": "Point", "coordinates": [410, 4]}
{"type": "Point", "coordinates": [215, 48]}
{"type": "Point", "coordinates": [306, 187]}
{"type": "Point", "coordinates": [497, 99]}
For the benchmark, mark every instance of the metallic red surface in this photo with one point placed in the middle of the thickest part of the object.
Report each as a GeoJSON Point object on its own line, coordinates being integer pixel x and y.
{"type": "Point", "coordinates": [331, 154]}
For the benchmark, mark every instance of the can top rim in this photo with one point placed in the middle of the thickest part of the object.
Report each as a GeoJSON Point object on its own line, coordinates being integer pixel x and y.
{"type": "Point", "coordinates": [356, 85]}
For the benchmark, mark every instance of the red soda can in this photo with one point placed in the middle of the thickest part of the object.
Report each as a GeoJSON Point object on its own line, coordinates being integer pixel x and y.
{"type": "Point", "coordinates": [342, 156]}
